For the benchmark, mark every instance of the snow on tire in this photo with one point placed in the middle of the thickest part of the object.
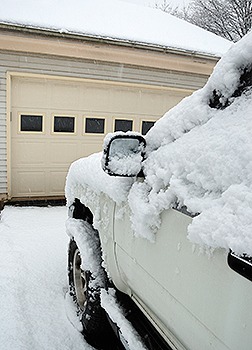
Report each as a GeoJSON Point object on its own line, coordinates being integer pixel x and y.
{"type": "Point", "coordinates": [86, 279]}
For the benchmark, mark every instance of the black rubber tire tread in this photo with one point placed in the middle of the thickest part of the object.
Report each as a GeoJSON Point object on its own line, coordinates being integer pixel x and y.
{"type": "Point", "coordinates": [96, 328]}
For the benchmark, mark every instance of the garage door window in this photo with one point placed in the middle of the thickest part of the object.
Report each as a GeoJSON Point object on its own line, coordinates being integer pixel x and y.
{"type": "Point", "coordinates": [64, 124]}
{"type": "Point", "coordinates": [94, 125]}
{"type": "Point", "coordinates": [123, 125]}
{"type": "Point", "coordinates": [146, 126]}
{"type": "Point", "coordinates": [31, 123]}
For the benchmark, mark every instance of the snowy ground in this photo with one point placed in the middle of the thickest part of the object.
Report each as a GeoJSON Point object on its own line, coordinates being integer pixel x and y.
{"type": "Point", "coordinates": [33, 281]}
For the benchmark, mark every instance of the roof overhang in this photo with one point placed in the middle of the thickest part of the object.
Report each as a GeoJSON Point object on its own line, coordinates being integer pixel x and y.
{"type": "Point", "coordinates": [36, 41]}
{"type": "Point", "coordinates": [104, 40]}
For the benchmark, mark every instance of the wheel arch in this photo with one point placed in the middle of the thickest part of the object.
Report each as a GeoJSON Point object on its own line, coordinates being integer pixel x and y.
{"type": "Point", "coordinates": [78, 210]}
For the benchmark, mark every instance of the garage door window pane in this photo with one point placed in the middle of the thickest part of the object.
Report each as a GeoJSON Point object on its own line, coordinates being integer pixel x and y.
{"type": "Point", "coordinates": [33, 123]}
{"type": "Point", "coordinates": [123, 125]}
{"type": "Point", "coordinates": [146, 126]}
{"type": "Point", "coordinates": [94, 125]}
{"type": "Point", "coordinates": [64, 124]}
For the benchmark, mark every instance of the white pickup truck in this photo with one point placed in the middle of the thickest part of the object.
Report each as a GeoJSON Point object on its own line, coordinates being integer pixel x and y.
{"type": "Point", "coordinates": [166, 221]}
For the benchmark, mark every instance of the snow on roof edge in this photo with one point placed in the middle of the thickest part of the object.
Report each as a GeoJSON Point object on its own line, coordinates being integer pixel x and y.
{"type": "Point", "coordinates": [111, 40]}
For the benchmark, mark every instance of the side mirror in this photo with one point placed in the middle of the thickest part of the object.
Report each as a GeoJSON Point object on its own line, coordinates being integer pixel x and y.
{"type": "Point", "coordinates": [123, 154]}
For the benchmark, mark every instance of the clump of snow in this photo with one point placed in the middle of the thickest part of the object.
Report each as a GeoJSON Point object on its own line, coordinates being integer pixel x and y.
{"type": "Point", "coordinates": [115, 312]}
{"type": "Point", "coordinates": [114, 20]}
{"type": "Point", "coordinates": [197, 156]}
{"type": "Point", "coordinates": [146, 206]}
{"type": "Point", "coordinates": [126, 165]}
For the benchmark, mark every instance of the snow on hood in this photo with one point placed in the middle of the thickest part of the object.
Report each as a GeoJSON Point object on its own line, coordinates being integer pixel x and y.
{"type": "Point", "coordinates": [113, 19]}
{"type": "Point", "coordinates": [199, 156]}
{"type": "Point", "coordinates": [87, 179]}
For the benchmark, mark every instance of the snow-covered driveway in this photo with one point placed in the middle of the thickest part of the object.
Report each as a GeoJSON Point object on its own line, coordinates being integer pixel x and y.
{"type": "Point", "coordinates": [33, 281]}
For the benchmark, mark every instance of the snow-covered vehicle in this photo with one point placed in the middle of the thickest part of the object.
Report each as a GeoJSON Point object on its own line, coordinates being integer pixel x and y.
{"type": "Point", "coordinates": [172, 232]}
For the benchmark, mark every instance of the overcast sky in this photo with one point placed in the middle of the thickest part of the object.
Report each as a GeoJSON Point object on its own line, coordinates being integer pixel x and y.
{"type": "Point", "coordinates": [152, 3]}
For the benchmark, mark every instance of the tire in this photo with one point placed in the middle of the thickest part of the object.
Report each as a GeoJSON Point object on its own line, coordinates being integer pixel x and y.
{"type": "Point", "coordinates": [96, 328]}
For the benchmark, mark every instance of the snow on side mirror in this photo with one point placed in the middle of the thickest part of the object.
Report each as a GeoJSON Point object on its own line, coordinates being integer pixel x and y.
{"type": "Point", "coordinates": [123, 154]}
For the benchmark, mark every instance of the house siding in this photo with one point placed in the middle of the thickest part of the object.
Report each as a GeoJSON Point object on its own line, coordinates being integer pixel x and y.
{"type": "Point", "coordinates": [85, 69]}
{"type": "Point", "coordinates": [3, 142]}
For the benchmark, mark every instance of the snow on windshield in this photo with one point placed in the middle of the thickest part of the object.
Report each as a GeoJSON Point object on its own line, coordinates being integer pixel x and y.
{"type": "Point", "coordinates": [199, 156]}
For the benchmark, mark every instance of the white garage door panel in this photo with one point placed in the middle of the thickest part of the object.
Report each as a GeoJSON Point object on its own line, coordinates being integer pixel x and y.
{"type": "Point", "coordinates": [99, 98]}
{"type": "Point", "coordinates": [28, 153]}
{"type": "Point", "coordinates": [23, 90]}
{"type": "Point", "coordinates": [57, 182]}
{"type": "Point", "coordinates": [29, 183]}
{"type": "Point", "coordinates": [64, 96]}
{"type": "Point", "coordinates": [62, 153]}
{"type": "Point", "coordinates": [89, 148]}
{"type": "Point", "coordinates": [129, 102]}
{"type": "Point", "coordinates": [40, 159]}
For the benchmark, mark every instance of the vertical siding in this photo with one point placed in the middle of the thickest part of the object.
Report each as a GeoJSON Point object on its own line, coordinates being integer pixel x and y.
{"type": "Point", "coordinates": [3, 144]}
{"type": "Point", "coordinates": [39, 64]}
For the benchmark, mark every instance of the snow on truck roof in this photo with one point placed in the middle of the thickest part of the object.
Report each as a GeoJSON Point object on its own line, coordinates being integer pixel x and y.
{"type": "Point", "coordinates": [113, 20]}
{"type": "Point", "coordinates": [199, 155]}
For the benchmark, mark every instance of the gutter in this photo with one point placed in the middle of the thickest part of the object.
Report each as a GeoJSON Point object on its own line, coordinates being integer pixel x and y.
{"type": "Point", "coordinates": [98, 39]}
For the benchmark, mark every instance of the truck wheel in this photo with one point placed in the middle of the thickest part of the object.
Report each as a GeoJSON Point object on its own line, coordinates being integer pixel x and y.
{"type": "Point", "coordinates": [86, 296]}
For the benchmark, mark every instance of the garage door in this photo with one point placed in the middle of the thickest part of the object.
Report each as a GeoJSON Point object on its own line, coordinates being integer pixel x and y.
{"type": "Point", "coordinates": [56, 121]}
